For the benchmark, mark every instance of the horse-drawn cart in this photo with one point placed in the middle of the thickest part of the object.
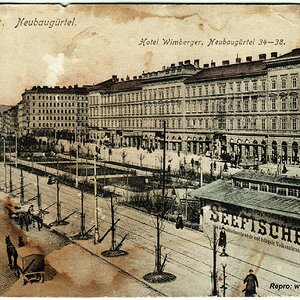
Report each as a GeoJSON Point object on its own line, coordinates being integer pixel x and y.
{"type": "Point", "coordinates": [31, 264]}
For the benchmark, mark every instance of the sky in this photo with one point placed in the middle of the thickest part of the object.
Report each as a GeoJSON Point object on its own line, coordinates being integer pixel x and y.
{"type": "Point", "coordinates": [105, 40]}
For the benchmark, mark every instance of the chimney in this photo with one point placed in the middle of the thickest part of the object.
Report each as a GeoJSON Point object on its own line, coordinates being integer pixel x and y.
{"type": "Point", "coordinates": [225, 62]}
{"type": "Point", "coordinates": [122, 79]}
{"type": "Point", "coordinates": [196, 63]}
{"type": "Point", "coordinates": [134, 78]}
{"type": "Point", "coordinates": [205, 66]}
{"type": "Point", "coordinates": [248, 58]}
{"type": "Point", "coordinates": [114, 78]}
{"type": "Point", "coordinates": [273, 54]}
{"type": "Point", "coordinates": [140, 77]}
{"type": "Point", "coordinates": [172, 65]}
{"type": "Point", "coordinates": [163, 68]}
{"type": "Point", "coordinates": [187, 62]}
{"type": "Point", "coordinates": [69, 87]}
{"type": "Point", "coordinates": [262, 56]}
{"type": "Point", "coordinates": [76, 86]}
{"type": "Point", "coordinates": [238, 60]}
{"type": "Point", "coordinates": [181, 63]}
{"type": "Point", "coordinates": [212, 64]}
{"type": "Point", "coordinates": [127, 78]}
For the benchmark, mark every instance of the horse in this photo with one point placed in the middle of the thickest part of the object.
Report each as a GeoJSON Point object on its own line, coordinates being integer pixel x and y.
{"type": "Point", "coordinates": [11, 252]}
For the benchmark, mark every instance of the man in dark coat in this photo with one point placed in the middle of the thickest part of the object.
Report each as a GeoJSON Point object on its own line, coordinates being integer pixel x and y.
{"type": "Point", "coordinates": [222, 238]}
{"type": "Point", "coordinates": [251, 284]}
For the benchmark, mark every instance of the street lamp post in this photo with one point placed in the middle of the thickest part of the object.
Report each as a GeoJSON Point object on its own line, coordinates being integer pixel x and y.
{"type": "Point", "coordinates": [4, 162]}
{"type": "Point", "coordinates": [214, 271]}
{"type": "Point", "coordinates": [223, 259]}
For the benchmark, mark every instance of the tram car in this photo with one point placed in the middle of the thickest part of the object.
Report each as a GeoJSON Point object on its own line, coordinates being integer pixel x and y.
{"type": "Point", "coordinates": [31, 264]}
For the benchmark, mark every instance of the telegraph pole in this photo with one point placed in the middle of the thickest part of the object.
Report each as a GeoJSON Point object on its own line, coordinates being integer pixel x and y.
{"type": "Point", "coordinates": [96, 232]}
{"type": "Point", "coordinates": [4, 161]}
{"type": "Point", "coordinates": [22, 188]}
{"type": "Point", "coordinates": [10, 175]}
{"type": "Point", "coordinates": [38, 192]}
{"type": "Point", "coordinates": [16, 150]}
{"type": "Point", "coordinates": [113, 229]}
{"type": "Point", "coordinates": [58, 206]}
{"type": "Point", "coordinates": [77, 145]}
{"type": "Point", "coordinates": [82, 227]}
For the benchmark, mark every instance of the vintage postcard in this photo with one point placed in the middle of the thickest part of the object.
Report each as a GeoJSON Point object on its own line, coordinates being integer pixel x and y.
{"type": "Point", "coordinates": [149, 150]}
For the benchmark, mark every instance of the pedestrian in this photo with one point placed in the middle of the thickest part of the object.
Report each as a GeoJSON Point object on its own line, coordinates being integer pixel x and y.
{"type": "Point", "coordinates": [215, 165]}
{"type": "Point", "coordinates": [30, 213]}
{"type": "Point", "coordinates": [251, 284]}
{"type": "Point", "coordinates": [39, 219]}
{"type": "Point", "coordinates": [222, 238]}
{"type": "Point", "coordinates": [179, 222]}
{"type": "Point", "coordinates": [192, 162]}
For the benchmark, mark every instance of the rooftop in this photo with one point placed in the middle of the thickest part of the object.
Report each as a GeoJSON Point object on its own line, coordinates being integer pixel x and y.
{"type": "Point", "coordinates": [59, 89]}
{"type": "Point", "coordinates": [222, 191]}
{"type": "Point", "coordinates": [270, 178]}
{"type": "Point", "coordinates": [226, 71]}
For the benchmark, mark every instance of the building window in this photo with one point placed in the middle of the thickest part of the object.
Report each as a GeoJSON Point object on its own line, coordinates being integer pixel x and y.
{"type": "Point", "coordinates": [238, 123]}
{"type": "Point", "coordinates": [238, 87]}
{"type": "Point", "coordinates": [283, 103]}
{"type": "Point", "coordinates": [246, 104]}
{"type": "Point", "coordinates": [246, 85]}
{"type": "Point", "coordinates": [206, 124]}
{"type": "Point", "coordinates": [263, 85]}
{"type": "Point", "coordinates": [254, 104]}
{"type": "Point", "coordinates": [206, 106]}
{"type": "Point", "coordinates": [238, 105]}
{"type": "Point", "coordinates": [294, 102]}
{"type": "Point", "coordinates": [254, 85]}
{"type": "Point", "coordinates": [273, 122]}
{"type": "Point", "coordinates": [206, 90]}
{"type": "Point", "coordinates": [283, 82]}
{"type": "Point", "coordinates": [294, 124]}
{"type": "Point", "coordinates": [294, 82]}
{"type": "Point", "coordinates": [272, 189]}
{"type": "Point", "coordinates": [212, 89]}
{"type": "Point", "coordinates": [283, 124]}
{"type": "Point", "coordinates": [273, 84]}
{"type": "Point", "coordinates": [263, 104]}
{"type": "Point", "coordinates": [200, 90]}
{"type": "Point", "coordinates": [264, 187]}
{"type": "Point", "coordinates": [263, 124]}
{"type": "Point", "coordinates": [273, 103]}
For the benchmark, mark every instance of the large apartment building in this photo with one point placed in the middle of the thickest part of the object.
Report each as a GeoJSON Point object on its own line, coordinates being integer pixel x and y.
{"type": "Point", "coordinates": [54, 111]}
{"type": "Point", "coordinates": [247, 108]}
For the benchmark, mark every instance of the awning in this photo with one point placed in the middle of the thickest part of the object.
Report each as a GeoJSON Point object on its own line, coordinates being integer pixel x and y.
{"type": "Point", "coordinates": [222, 191]}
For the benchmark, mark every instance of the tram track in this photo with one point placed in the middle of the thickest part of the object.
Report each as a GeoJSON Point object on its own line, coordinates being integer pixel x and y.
{"type": "Point", "coordinates": [90, 211]}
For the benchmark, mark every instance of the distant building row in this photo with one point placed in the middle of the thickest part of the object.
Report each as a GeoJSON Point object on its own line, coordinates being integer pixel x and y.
{"type": "Point", "coordinates": [247, 109]}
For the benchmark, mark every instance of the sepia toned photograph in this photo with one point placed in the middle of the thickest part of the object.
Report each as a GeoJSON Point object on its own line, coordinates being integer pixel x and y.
{"type": "Point", "coordinates": [150, 150]}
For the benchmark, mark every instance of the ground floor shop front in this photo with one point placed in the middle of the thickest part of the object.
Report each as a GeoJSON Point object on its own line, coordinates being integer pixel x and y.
{"type": "Point", "coordinates": [259, 148]}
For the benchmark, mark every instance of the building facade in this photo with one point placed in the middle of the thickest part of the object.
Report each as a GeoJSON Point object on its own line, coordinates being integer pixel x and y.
{"type": "Point", "coordinates": [248, 109]}
{"type": "Point", "coordinates": [54, 111]}
{"type": "Point", "coordinates": [10, 121]}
